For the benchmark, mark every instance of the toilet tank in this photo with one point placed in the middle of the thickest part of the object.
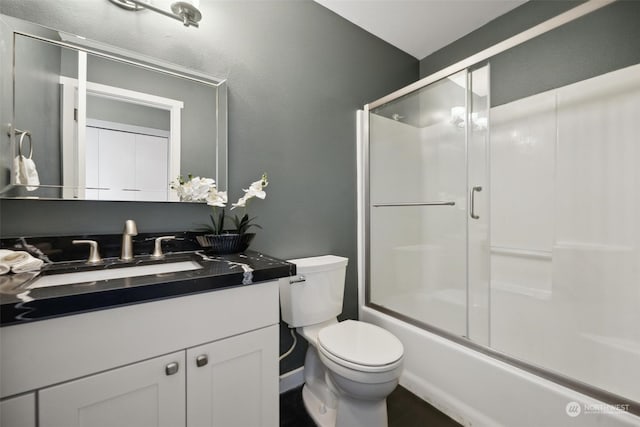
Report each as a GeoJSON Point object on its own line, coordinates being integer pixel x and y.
{"type": "Point", "coordinates": [315, 295]}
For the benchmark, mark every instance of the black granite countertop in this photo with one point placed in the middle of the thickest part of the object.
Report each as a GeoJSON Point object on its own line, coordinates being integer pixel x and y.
{"type": "Point", "coordinates": [18, 304]}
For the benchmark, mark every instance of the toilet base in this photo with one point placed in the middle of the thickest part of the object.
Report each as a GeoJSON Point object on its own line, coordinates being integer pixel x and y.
{"type": "Point", "coordinates": [352, 412]}
{"type": "Point", "coordinates": [364, 413]}
{"type": "Point", "coordinates": [318, 411]}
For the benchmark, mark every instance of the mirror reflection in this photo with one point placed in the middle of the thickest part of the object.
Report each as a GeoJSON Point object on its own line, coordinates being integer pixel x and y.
{"type": "Point", "coordinates": [106, 129]}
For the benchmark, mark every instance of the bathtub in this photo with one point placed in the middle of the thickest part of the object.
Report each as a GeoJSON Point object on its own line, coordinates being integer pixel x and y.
{"type": "Point", "coordinates": [476, 389]}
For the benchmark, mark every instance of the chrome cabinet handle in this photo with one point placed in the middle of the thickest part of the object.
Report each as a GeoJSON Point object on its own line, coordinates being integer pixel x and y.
{"type": "Point", "coordinates": [202, 360]}
{"type": "Point", "coordinates": [473, 201]}
{"type": "Point", "coordinates": [171, 368]}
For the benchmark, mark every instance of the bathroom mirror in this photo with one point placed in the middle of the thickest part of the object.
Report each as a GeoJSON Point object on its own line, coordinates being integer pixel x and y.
{"type": "Point", "coordinates": [100, 123]}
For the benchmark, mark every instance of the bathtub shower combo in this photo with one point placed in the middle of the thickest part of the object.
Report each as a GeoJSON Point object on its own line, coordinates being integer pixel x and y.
{"type": "Point", "coordinates": [500, 241]}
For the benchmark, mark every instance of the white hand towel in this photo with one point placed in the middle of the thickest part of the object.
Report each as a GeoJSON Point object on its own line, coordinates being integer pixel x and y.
{"type": "Point", "coordinates": [32, 264]}
{"type": "Point", "coordinates": [20, 261]}
{"type": "Point", "coordinates": [4, 253]}
{"type": "Point", "coordinates": [4, 267]}
{"type": "Point", "coordinates": [12, 258]}
{"type": "Point", "coordinates": [13, 284]}
{"type": "Point", "coordinates": [26, 172]}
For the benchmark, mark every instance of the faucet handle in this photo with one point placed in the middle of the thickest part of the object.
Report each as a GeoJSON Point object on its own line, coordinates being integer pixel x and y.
{"type": "Point", "coordinates": [157, 251]}
{"type": "Point", "coordinates": [130, 228]}
{"type": "Point", "coordinates": [94, 253]}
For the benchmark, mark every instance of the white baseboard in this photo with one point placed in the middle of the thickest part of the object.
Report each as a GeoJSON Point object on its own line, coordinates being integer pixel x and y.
{"type": "Point", "coordinates": [291, 379]}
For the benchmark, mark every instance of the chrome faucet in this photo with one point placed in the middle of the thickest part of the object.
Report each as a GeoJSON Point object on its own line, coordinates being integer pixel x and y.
{"type": "Point", "coordinates": [130, 229]}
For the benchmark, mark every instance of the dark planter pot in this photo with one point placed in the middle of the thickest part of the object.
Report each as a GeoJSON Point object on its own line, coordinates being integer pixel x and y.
{"type": "Point", "coordinates": [227, 243]}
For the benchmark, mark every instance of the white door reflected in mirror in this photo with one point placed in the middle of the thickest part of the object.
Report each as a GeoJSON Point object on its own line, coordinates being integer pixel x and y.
{"type": "Point", "coordinates": [123, 165]}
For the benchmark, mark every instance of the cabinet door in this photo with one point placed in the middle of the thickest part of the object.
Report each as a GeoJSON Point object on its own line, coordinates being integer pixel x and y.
{"type": "Point", "coordinates": [145, 394]}
{"type": "Point", "coordinates": [18, 411]}
{"type": "Point", "coordinates": [238, 385]}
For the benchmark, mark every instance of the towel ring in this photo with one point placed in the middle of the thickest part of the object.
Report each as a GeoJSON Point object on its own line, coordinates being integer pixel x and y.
{"type": "Point", "coordinates": [27, 133]}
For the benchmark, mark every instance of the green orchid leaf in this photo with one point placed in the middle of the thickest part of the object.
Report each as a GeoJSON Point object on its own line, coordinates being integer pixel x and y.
{"type": "Point", "coordinates": [213, 221]}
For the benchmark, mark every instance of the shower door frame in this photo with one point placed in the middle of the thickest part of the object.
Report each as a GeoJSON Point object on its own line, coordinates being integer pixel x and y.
{"type": "Point", "coordinates": [364, 206]}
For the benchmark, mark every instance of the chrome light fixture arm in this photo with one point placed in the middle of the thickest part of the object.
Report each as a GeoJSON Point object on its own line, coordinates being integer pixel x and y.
{"type": "Point", "coordinates": [184, 11]}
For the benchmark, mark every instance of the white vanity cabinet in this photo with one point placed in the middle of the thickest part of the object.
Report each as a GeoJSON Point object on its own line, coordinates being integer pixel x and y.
{"type": "Point", "coordinates": [217, 379]}
{"type": "Point", "coordinates": [19, 411]}
{"type": "Point", "coordinates": [208, 359]}
{"type": "Point", "coordinates": [145, 394]}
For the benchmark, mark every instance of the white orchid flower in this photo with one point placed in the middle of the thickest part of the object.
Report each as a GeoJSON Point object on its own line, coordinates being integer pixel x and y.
{"type": "Point", "coordinates": [241, 203]}
{"type": "Point", "coordinates": [217, 198]}
{"type": "Point", "coordinates": [185, 191]}
{"type": "Point", "coordinates": [200, 187]}
{"type": "Point", "coordinates": [195, 189]}
{"type": "Point", "coordinates": [254, 190]}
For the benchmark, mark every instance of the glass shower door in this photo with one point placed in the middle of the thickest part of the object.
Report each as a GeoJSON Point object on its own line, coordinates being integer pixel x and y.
{"type": "Point", "coordinates": [418, 205]}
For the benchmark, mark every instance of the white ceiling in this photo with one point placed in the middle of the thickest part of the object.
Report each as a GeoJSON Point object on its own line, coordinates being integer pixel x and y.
{"type": "Point", "coordinates": [420, 27]}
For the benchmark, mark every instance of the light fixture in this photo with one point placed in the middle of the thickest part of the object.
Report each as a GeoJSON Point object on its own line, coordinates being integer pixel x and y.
{"type": "Point", "coordinates": [185, 11]}
{"type": "Point", "coordinates": [458, 119]}
{"type": "Point", "coordinates": [458, 116]}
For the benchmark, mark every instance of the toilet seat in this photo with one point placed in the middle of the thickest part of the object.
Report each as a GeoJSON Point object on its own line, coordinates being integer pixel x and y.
{"type": "Point", "coordinates": [360, 346]}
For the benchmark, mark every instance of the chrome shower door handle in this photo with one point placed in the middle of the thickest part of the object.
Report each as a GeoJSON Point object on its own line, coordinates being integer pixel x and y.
{"type": "Point", "coordinates": [473, 201]}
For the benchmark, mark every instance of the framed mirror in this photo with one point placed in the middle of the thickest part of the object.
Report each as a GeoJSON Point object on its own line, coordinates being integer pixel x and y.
{"type": "Point", "coordinates": [85, 120]}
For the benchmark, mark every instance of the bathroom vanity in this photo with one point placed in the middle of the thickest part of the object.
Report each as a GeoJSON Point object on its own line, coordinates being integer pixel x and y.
{"type": "Point", "coordinates": [187, 348]}
{"type": "Point", "coordinates": [126, 343]}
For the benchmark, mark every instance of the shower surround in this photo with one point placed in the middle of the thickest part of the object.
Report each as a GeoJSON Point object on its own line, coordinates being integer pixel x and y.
{"type": "Point", "coordinates": [518, 303]}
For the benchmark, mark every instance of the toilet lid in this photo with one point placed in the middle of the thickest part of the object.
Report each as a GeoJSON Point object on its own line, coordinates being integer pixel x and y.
{"type": "Point", "coordinates": [361, 343]}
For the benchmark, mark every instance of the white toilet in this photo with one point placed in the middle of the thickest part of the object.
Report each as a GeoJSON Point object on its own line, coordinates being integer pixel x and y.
{"type": "Point", "coordinates": [350, 367]}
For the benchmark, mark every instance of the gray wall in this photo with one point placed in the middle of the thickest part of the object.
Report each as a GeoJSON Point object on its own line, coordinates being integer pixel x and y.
{"type": "Point", "coordinates": [6, 106]}
{"type": "Point", "coordinates": [597, 43]}
{"type": "Point", "coordinates": [501, 28]}
{"type": "Point", "coordinates": [297, 74]}
{"type": "Point", "coordinates": [37, 107]}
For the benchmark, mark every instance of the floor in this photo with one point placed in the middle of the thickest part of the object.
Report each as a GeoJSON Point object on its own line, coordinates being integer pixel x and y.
{"type": "Point", "coordinates": [404, 410]}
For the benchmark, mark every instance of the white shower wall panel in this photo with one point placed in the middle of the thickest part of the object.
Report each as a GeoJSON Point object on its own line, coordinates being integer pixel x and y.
{"type": "Point", "coordinates": [522, 159]}
{"type": "Point", "coordinates": [565, 238]}
{"type": "Point", "coordinates": [598, 157]}
{"type": "Point", "coordinates": [418, 247]}
{"type": "Point", "coordinates": [395, 152]}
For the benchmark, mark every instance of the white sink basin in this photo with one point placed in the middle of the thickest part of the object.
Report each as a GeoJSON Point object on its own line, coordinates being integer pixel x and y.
{"type": "Point", "coordinates": [113, 273]}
